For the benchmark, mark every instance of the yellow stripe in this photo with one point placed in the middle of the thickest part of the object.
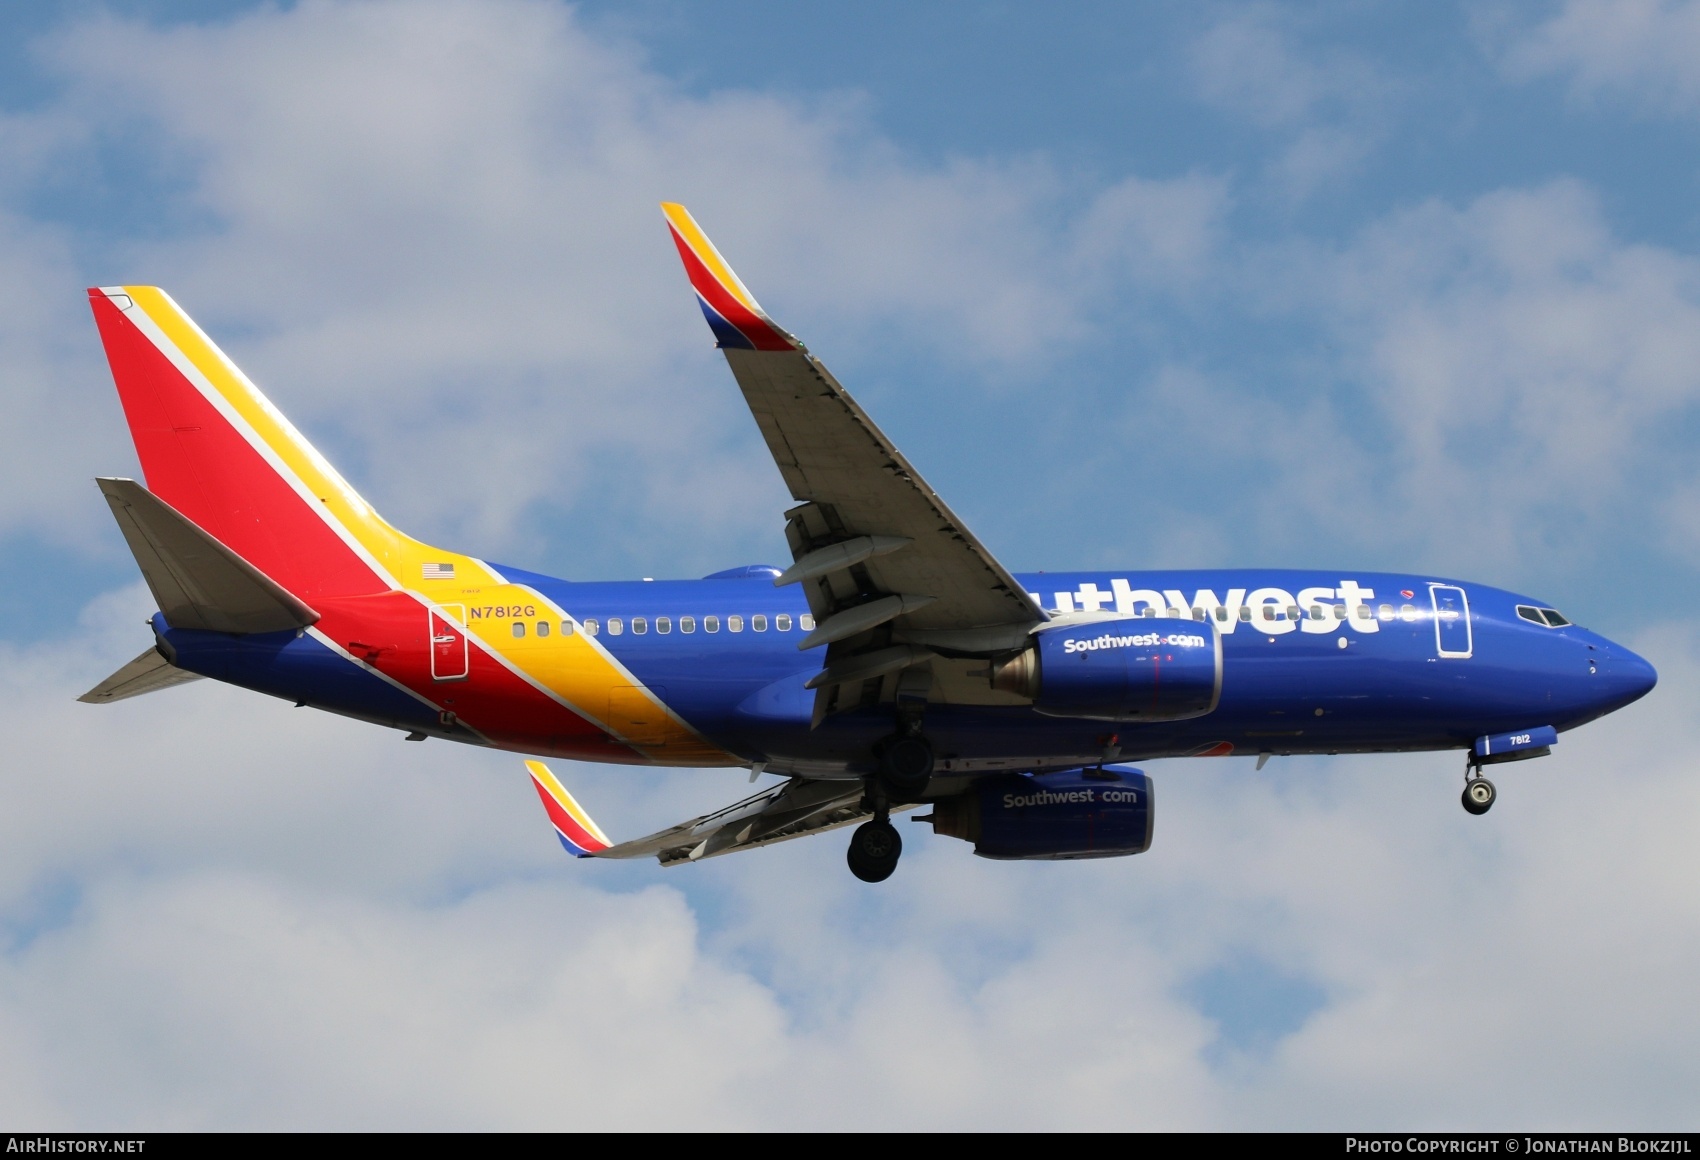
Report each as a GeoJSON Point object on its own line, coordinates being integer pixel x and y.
{"type": "Point", "coordinates": [401, 555]}
{"type": "Point", "coordinates": [547, 779]}
{"type": "Point", "coordinates": [698, 241]}
{"type": "Point", "coordinates": [572, 668]}
{"type": "Point", "coordinates": [576, 669]}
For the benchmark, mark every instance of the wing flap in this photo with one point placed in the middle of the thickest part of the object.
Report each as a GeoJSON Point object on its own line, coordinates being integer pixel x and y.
{"type": "Point", "coordinates": [198, 582]}
{"type": "Point", "coordinates": [778, 813]}
{"type": "Point", "coordinates": [831, 454]}
{"type": "Point", "coordinates": [148, 673]}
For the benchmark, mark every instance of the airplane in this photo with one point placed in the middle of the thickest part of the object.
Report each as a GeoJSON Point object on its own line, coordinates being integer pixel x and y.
{"type": "Point", "coordinates": [893, 664]}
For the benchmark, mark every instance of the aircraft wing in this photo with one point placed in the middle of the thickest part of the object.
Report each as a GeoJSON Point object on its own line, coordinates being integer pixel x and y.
{"type": "Point", "coordinates": [791, 809]}
{"type": "Point", "coordinates": [893, 577]}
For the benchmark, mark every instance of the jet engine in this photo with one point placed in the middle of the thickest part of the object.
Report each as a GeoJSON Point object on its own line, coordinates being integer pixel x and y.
{"type": "Point", "coordinates": [1079, 813]}
{"type": "Point", "coordinates": [1119, 670]}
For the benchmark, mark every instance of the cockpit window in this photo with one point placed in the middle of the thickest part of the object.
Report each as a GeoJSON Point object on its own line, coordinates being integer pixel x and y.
{"type": "Point", "coordinates": [1545, 617]}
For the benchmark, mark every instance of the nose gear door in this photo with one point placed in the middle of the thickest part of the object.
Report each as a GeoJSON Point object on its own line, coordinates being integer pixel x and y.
{"type": "Point", "coordinates": [1452, 638]}
{"type": "Point", "coordinates": [448, 644]}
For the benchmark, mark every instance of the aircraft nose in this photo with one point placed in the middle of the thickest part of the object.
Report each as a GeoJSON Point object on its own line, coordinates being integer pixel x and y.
{"type": "Point", "coordinates": [1623, 676]}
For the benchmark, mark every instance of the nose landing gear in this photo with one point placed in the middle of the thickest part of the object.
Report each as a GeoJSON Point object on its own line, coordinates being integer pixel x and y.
{"type": "Point", "coordinates": [1479, 795]}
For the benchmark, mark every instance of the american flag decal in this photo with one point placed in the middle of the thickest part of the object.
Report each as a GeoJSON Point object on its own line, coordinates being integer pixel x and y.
{"type": "Point", "coordinates": [439, 571]}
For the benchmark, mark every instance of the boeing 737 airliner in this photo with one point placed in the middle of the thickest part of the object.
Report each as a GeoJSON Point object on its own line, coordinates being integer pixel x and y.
{"type": "Point", "coordinates": [893, 663]}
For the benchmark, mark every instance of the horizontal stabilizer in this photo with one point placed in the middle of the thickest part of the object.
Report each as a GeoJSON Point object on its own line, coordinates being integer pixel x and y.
{"type": "Point", "coordinates": [198, 582]}
{"type": "Point", "coordinates": [148, 673]}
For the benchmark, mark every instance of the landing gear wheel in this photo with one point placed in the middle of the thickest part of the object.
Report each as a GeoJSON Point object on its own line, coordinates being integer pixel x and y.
{"type": "Point", "coordinates": [906, 765]}
{"type": "Point", "coordinates": [874, 850]}
{"type": "Point", "coordinates": [1479, 795]}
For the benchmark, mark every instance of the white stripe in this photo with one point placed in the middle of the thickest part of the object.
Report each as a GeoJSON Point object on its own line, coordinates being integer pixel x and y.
{"type": "Point", "coordinates": [145, 323]}
{"type": "Point", "coordinates": [319, 636]}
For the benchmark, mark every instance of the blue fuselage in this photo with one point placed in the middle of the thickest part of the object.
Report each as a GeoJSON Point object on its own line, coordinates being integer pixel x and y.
{"type": "Point", "coordinates": [1313, 662]}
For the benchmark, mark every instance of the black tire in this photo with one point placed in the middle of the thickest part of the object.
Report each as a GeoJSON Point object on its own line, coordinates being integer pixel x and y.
{"type": "Point", "coordinates": [906, 766]}
{"type": "Point", "coordinates": [1479, 795]}
{"type": "Point", "coordinates": [874, 850]}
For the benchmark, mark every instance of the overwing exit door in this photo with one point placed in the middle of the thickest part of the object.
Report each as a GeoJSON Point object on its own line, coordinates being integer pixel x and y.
{"type": "Point", "coordinates": [1452, 637]}
{"type": "Point", "coordinates": [449, 661]}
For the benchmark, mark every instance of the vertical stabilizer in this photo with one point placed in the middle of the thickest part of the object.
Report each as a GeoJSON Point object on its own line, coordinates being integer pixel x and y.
{"type": "Point", "coordinates": [215, 449]}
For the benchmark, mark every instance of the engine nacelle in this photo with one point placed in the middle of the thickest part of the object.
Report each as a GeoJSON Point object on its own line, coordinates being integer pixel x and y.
{"type": "Point", "coordinates": [1078, 813]}
{"type": "Point", "coordinates": [1119, 670]}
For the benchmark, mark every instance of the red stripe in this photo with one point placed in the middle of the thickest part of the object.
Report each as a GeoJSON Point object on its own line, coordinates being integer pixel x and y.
{"type": "Point", "coordinates": [565, 822]}
{"type": "Point", "coordinates": [205, 468]}
{"type": "Point", "coordinates": [198, 463]}
{"type": "Point", "coordinates": [752, 326]}
{"type": "Point", "coordinates": [393, 632]}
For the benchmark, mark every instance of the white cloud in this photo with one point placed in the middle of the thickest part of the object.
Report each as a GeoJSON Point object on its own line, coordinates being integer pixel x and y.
{"type": "Point", "coordinates": [1647, 50]}
{"type": "Point", "coordinates": [223, 912]}
{"type": "Point", "coordinates": [1475, 387]}
{"type": "Point", "coordinates": [430, 230]}
{"type": "Point", "coordinates": [1522, 355]}
{"type": "Point", "coordinates": [1326, 107]}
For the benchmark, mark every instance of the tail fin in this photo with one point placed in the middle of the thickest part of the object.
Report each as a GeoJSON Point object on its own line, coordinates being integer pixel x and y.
{"type": "Point", "coordinates": [572, 825]}
{"type": "Point", "coordinates": [217, 451]}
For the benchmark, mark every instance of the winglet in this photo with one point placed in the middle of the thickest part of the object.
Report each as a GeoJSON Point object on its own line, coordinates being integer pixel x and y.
{"type": "Point", "coordinates": [733, 313]}
{"type": "Point", "coordinates": [572, 825]}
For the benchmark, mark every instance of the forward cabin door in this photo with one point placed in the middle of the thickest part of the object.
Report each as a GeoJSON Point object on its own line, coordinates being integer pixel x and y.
{"type": "Point", "coordinates": [449, 661]}
{"type": "Point", "coordinates": [1452, 637]}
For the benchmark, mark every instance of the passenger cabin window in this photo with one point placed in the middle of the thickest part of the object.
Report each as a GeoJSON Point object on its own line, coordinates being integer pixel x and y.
{"type": "Point", "coordinates": [664, 625]}
{"type": "Point", "coordinates": [639, 625]}
{"type": "Point", "coordinates": [1221, 612]}
{"type": "Point", "coordinates": [615, 626]}
{"type": "Point", "coordinates": [806, 622]}
{"type": "Point", "coordinates": [519, 628]}
{"type": "Point", "coordinates": [1198, 614]}
{"type": "Point", "coordinates": [566, 628]}
{"type": "Point", "coordinates": [782, 622]}
{"type": "Point", "coordinates": [758, 622]}
{"type": "Point", "coordinates": [687, 624]}
{"type": "Point", "coordinates": [1363, 612]}
{"type": "Point", "coordinates": [1385, 612]}
{"type": "Point", "coordinates": [1531, 614]}
{"type": "Point", "coordinates": [1149, 611]}
{"type": "Point", "coordinates": [1245, 612]}
{"type": "Point", "coordinates": [1407, 612]}
{"type": "Point", "coordinates": [1316, 612]}
{"type": "Point", "coordinates": [734, 623]}
{"type": "Point", "coordinates": [591, 627]}
{"type": "Point", "coordinates": [543, 628]}
{"type": "Point", "coordinates": [711, 624]}
{"type": "Point", "coordinates": [1554, 618]}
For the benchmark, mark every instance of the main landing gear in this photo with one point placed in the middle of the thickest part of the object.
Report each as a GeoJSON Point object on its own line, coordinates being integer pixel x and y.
{"type": "Point", "coordinates": [1479, 794]}
{"type": "Point", "coordinates": [874, 850]}
{"type": "Point", "coordinates": [905, 768]}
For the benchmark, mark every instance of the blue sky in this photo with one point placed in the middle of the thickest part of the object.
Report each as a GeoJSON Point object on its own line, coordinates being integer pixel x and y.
{"type": "Point", "coordinates": [1165, 285]}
